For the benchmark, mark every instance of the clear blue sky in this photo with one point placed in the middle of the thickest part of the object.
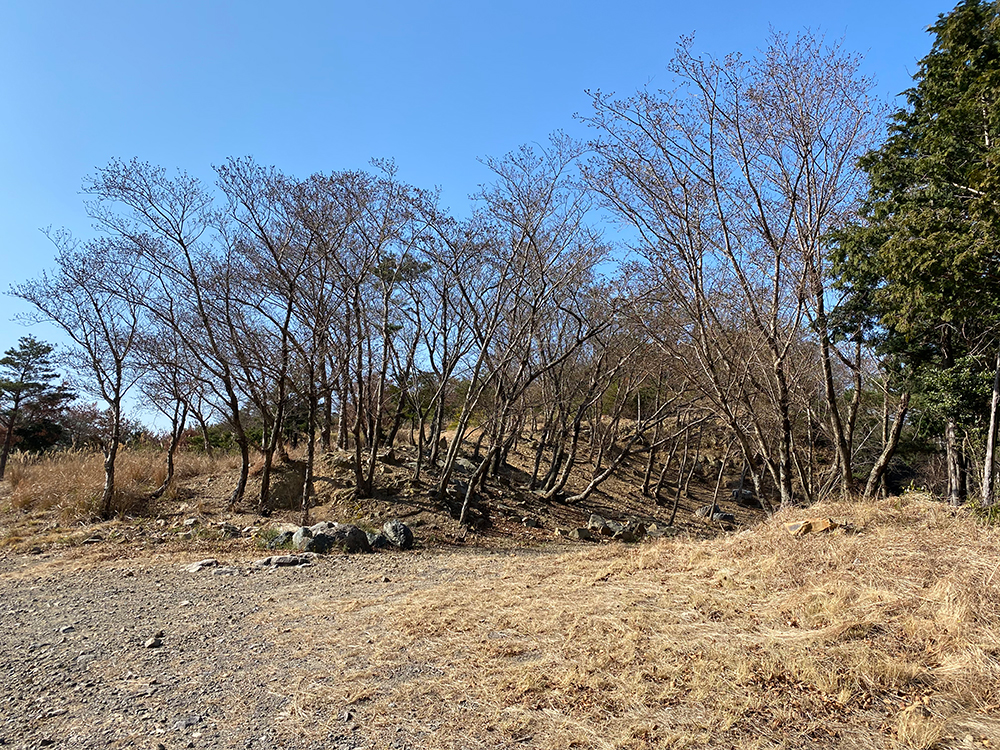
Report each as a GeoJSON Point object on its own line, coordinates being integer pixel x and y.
{"type": "Point", "coordinates": [320, 86]}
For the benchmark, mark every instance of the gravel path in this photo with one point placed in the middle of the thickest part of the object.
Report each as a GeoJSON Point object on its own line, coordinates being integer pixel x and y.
{"type": "Point", "coordinates": [141, 653]}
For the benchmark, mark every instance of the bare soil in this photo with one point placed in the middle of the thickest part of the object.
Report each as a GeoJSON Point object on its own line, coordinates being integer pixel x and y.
{"type": "Point", "coordinates": [77, 671]}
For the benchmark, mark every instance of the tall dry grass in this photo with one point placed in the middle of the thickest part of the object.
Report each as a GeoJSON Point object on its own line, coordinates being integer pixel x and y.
{"type": "Point", "coordinates": [70, 484]}
{"type": "Point", "coordinates": [885, 638]}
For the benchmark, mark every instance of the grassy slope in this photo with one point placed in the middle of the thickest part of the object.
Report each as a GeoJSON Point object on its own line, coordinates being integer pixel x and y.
{"type": "Point", "coordinates": [889, 637]}
{"type": "Point", "coordinates": [883, 638]}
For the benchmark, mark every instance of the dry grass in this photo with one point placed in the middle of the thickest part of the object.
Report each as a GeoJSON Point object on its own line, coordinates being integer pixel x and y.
{"type": "Point", "coordinates": [69, 485]}
{"type": "Point", "coordinates": [885, 638]}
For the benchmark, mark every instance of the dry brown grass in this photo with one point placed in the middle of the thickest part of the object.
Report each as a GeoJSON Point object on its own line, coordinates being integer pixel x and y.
{"type": "Point", "coordinates": [885, 638]}
{"type": "Point", "coordinates": [69, 485]}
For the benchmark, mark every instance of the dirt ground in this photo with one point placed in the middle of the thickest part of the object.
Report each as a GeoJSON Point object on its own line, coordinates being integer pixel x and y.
{"type": "Point", "coordinates": [107, 640]}
{"type": "Point", "coordinates": [79, 669]}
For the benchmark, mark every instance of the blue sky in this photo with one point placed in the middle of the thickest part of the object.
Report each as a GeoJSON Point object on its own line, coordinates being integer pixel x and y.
{"type": "Point", "coordinates": [320, 86]}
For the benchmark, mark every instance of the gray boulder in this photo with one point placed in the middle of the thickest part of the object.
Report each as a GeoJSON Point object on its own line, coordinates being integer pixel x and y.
{"type": "Point", "coordinates": [284, 561]}
{"type": "Point", "coordinates": [283, 539]}
{"type": "Point", "coordinates": [344, 537]}
{"type": "Point", "coordinates": [301, 537]}
{"type": "Point", "coordinates": [398, 534]}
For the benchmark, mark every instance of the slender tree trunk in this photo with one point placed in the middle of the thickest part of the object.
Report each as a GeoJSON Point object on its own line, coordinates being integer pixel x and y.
{"type": "Point", "coordinates": [110, 455]}
{"type": "Point", "coordinates": [785, 441]}
{"type": "Point", "coordinates": [241, 483]}
{"type": "Point", "coordinates": [204, 433]}
{"type": "Point", "coordinates": [680, 478]}
{"type": "Point", "coordinates": [954, 463]}
{"type": "Point", "coordinates": [176, 431]}
{"type": "Point", "coordinates": [989, 472]}
{"type": "Point", "coordinates": [718, 481]}
{"type": "Point", "coordinates": [307, 480]}
{"type": "Point", "coordinates": [8, 440]}
{"type": "Point", "coordinates": [830, 391]}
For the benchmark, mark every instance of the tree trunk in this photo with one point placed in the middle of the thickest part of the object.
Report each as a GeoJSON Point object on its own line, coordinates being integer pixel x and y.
{"type": "Point", "coordinates": [989, 459]}
{"type": "Point", "coordinates": [954, 463]}
{"type": "Point", "coordinates": [110, 455]}
{"type": "Point", "coordinates": [176, 431]}
{"type": "Point", "coordinates": [8, 440]}
{"type": "Point", "coordinates": [307, 480]}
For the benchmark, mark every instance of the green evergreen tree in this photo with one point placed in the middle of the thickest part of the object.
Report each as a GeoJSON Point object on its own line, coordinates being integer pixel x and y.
{"type": "Point", "coordinates": [27, 388]}
{"type": "Point", "coordinates": [924, 266]}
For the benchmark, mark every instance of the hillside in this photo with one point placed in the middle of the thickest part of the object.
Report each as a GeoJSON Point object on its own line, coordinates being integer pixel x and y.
{"type": "Point", "coordinates": [512, 637]}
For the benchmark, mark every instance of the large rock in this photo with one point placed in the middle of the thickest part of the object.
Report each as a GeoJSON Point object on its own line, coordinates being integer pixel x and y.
{"type": "Point", "coordinates": [284, 561]}
{"type": "Point", "coordinates": [281, 540]}
{"type": "Point", "coordinates": [345, 537]}
{"type": "Point", "coordinates": [398, 534]}
{"type": "Point", "coordinates": [325, 537]}
{"type": "Point", "coordinates": [341, 461]}
{"type": "Point", "coordinates": [301, 537]}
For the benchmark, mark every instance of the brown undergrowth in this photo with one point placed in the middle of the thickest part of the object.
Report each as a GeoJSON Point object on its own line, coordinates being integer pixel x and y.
{"type": "Point", "coordinates": [68, 484]}
{"type": "Point", "coordinates": [889, 637]}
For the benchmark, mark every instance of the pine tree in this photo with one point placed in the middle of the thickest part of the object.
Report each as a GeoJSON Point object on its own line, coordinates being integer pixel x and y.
{"type": "Point", "coordinates": [26, 387]}
{"type": "Point", "coordinates": [925, 265]}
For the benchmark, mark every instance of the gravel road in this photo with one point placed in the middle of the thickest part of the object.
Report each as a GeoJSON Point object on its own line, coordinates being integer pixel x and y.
{"type": "Point", "coordinates": [142, 653]}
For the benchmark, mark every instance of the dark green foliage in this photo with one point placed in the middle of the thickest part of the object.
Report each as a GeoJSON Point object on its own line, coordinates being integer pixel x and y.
{"type": "Point", "coordinates": [30, 402]}
{"type": "Point", "coordinates": [922, 272]}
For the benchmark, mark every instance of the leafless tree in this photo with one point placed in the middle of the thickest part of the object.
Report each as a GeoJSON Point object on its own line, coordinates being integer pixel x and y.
{"type": "Point", "coordinates": [90, 295]}
{"type": "Point", "coordinates": [732, 181]}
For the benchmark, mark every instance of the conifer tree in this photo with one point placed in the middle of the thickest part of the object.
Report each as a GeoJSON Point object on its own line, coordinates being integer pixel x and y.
{"type": "Point", "coordinates": [26, 381]}
{"type": "Point", "coordinates": [924, 266]}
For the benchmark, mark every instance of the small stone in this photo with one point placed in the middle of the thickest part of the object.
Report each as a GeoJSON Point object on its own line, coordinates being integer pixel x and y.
{"type": "Point", "coordinates": [186, 603]}
{"type": "Point", "coordinates": [531, 523]}
{"type": "Point", "coordinates": [66, 629]}
{"type": "Point", "coordinates": [191, 522]}
{"type": "Point", "coordinates": [582, 535]}
{"type": "Point", "coordinates": [197, 567]}
{"type": "Point", "coordinates": [186, 722]}
{"type": "Point", "coordinates": [153, 643]}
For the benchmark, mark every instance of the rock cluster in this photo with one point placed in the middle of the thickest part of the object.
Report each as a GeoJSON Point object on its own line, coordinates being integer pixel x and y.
{"type": "Point", "coordinates": [326, 536]}
{"type": "Point", "coordinates": [626, 530]}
